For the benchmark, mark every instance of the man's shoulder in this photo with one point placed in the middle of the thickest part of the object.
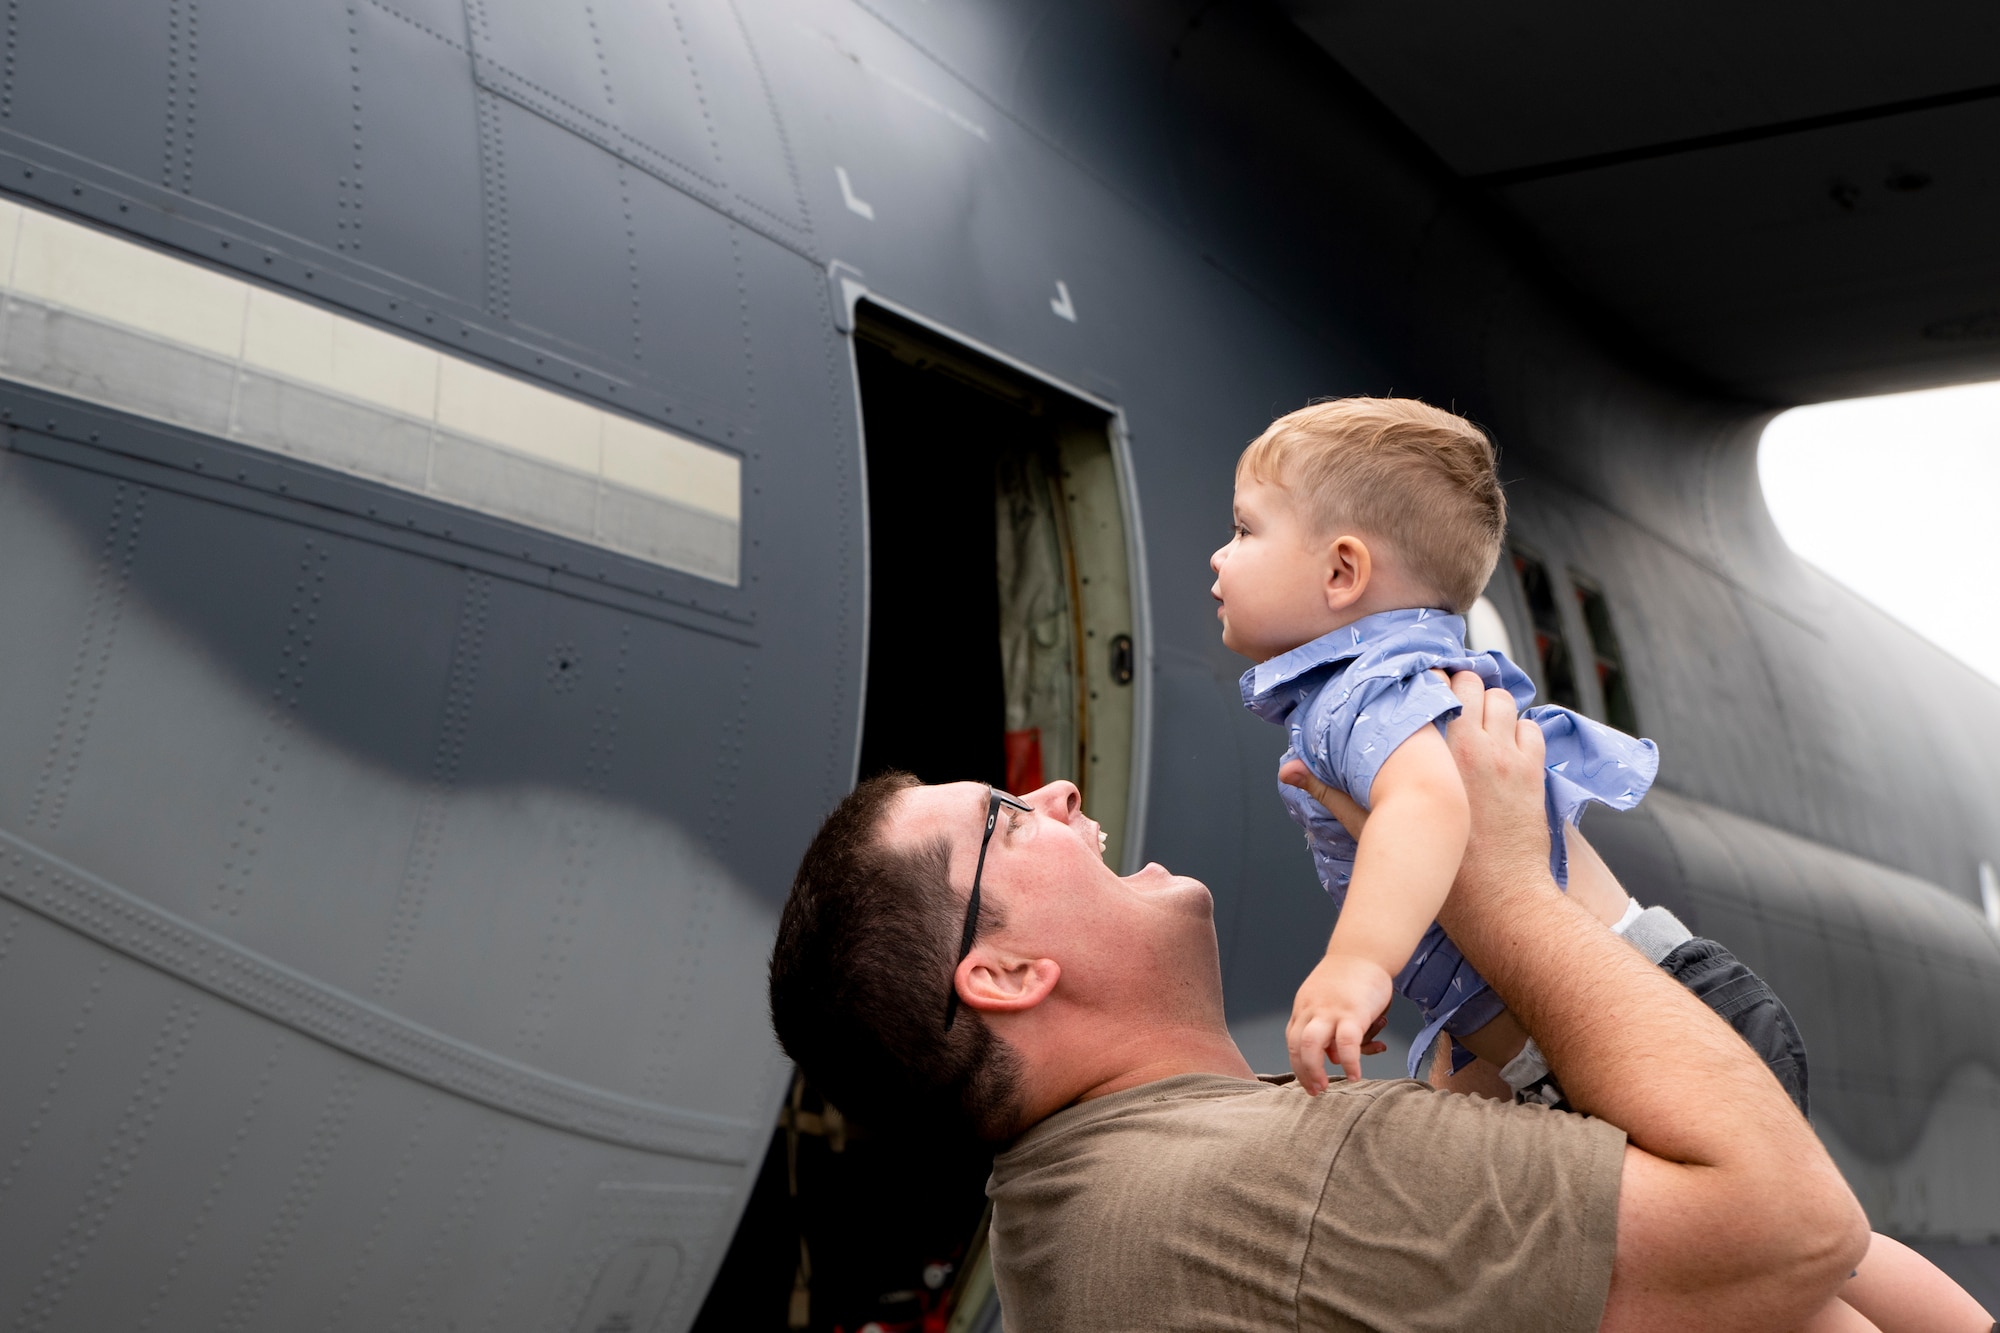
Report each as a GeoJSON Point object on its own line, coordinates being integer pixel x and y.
{"type": "Point", "coordinates": [1190, 1145]}
{"type": "Point", "coordinates": [1176, 1143]}
{"type": "Point", "coordinates": [1208, 1107]}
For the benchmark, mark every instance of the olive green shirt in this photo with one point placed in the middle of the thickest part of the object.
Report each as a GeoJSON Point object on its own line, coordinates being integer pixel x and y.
{"type": "Point", "coordinates": [1217, 1203]}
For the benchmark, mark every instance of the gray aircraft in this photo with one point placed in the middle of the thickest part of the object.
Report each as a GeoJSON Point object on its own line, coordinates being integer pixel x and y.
{"type": "Point", "coordinates": [482, 477]}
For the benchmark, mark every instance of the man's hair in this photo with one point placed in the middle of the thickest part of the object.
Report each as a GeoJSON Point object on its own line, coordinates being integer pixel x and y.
{"type": "Point", "coordinates": [1408, 474]}
{"type": "Point", "coordinates": [862, 972]}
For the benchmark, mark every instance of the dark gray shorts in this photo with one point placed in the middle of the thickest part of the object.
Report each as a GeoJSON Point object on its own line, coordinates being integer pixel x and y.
{"type": "Point", "coordinates": [1746, 1003]}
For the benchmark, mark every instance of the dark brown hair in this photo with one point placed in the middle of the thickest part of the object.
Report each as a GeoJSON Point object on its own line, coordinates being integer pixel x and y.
{"type": "Point", "coordinates": [862, 971]}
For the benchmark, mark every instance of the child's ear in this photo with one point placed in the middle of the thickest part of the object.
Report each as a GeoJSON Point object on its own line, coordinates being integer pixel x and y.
{"type": "Point", "coordinates": [1349, 566]}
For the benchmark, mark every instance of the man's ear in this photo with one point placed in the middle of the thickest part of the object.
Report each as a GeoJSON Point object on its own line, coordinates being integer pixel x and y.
{"type": "Point", "coordinates": [1349, 566]}
{"type": "Point", "coordinates": [996, 983]}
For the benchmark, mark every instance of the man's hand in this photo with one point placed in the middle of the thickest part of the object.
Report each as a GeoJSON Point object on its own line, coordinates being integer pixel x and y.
{"type": "Point", "coordinates": [1500, 759]}
{"type": "Point", "coordinates": [1294, 773]}
{"type": "Point", "coordinates": [1339, 1009]}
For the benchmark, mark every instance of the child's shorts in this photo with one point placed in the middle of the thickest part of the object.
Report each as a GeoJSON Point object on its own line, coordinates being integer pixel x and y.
{"type": "Point", "coordinates": [1748, 1004]}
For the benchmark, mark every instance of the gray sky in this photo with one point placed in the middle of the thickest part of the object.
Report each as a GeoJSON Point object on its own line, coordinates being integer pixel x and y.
{"type": "Point", "coordinates": [1899, 498]}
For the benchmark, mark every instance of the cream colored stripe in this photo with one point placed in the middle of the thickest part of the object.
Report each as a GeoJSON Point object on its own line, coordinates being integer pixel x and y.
{"type": "Point", "coordinates": [10, 231]}
{"type": "Point", "coordinates": [94, 273]}
{"type": "Point", "coordinates": [66, 267]}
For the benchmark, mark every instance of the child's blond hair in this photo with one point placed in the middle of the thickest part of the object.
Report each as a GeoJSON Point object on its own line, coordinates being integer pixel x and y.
{"type": "Point", "coordinates": [1402, 472]}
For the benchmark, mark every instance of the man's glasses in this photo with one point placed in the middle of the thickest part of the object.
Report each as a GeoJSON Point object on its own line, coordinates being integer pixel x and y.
{"type": "Point", "coordinates": [995, 798]}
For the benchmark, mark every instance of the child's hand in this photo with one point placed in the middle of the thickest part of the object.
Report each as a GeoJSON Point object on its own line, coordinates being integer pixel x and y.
{"type": "Point", "coordinates": [1339, 1009]}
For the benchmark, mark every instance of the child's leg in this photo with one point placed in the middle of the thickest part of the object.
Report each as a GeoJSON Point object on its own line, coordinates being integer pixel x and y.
{"type": "Point", "coordinates": [1481, 1078]}
{"type": "Point", "coordinates": [1592, 886]}
{"type": "Point", "coordinates": [1837, 1316]}
{"type": "Point", "coordinates": [1497, 1043]}
{"type": "Point", "coordinates": [1900, 1291]}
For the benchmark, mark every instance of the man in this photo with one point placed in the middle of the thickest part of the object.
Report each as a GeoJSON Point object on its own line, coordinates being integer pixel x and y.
{"type": "Point", "coordinates": [945, 948]}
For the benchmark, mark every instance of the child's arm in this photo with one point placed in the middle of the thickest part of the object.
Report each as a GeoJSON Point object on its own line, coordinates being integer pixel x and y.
{"type": "Point", "coordinates": [1403, 868]}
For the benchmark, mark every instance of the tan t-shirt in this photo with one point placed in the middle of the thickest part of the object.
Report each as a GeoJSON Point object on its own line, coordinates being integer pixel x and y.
{"type": "Point", "coordinates": [1210, 1202]}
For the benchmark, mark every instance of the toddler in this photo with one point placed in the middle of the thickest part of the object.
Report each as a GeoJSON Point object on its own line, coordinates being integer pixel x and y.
{"type": "Point", "coordinates": [1363, 527]}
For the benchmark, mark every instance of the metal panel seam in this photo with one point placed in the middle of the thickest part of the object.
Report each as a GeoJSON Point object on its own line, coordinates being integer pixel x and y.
{"type": "Point", "coordinates": [100, 911]}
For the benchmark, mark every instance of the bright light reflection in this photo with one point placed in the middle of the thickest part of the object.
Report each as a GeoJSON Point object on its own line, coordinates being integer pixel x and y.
{"type": "Point", "coordinates": [1898, 497]}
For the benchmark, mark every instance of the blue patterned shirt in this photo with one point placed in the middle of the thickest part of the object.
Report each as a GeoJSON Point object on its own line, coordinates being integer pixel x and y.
{"type": "Point", "coordinates": [1348, 699]}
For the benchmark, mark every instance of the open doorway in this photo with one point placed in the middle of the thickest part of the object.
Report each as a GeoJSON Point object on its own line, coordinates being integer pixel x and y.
{"type": "Point", "coordinates": [1001, 632]}
{"type": "Point", "coordinates": [1000, 617]}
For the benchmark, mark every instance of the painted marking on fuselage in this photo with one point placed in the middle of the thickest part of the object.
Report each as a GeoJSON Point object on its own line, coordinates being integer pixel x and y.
{"type": "Point", "coordinates": [855, 204]}
{"type": "Point", "coordinates": [1061, 304]}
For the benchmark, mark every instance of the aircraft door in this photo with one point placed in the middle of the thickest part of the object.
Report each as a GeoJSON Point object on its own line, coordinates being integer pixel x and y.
{"type": "Point", "coordinates": [1001, 623]}
{"type": "Point", "coordinates": [1066, 645]}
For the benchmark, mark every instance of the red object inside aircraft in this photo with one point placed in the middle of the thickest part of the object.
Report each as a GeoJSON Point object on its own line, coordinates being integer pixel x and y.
{"type": "Point", "coordinates": [1024, 759]}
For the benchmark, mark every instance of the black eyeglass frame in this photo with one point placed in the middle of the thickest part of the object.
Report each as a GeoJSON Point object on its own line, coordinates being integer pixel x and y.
{"type": "Point", "coordinates": [995, 798]}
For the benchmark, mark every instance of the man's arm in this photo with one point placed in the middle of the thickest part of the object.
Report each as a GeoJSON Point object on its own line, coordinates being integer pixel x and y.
{"type": "Point", "coordinates": [1730, 1213]}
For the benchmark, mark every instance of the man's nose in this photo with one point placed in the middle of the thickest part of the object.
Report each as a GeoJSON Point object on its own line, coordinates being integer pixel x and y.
{"type": "Point", "coordinates": [1059, 798]}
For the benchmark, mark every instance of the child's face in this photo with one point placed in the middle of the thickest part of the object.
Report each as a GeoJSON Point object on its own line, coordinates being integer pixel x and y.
{"type": "Point", "coordinates": [1270, 581]}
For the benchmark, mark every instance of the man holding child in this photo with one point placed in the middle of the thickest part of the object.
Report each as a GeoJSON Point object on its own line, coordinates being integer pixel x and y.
{"type": "Point", "coordinates": [956, 950]}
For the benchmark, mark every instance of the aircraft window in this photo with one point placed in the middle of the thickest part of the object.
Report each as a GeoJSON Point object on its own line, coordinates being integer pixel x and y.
{"type": "Point", "coordinates": [1485, 631]}
{"type": "Point", "coordinates": [94, 316]}
{"type": "Point", "coordinates": [1553, 671]}
{"type": "Point", "coordinates": [1610, 662]}
{"type": "Point", "coordinates": [1989, 895]}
